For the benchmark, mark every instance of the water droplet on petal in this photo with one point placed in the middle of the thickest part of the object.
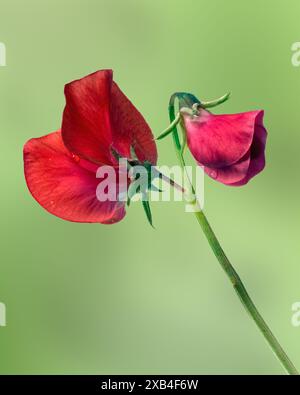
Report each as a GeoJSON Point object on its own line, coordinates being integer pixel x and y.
{"type": "Point", "coordinates": [75, 158]}
{"type": "Point", "coordinates": [213, 174]}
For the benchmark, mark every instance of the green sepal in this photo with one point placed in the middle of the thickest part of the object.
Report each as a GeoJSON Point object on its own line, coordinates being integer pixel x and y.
{"type": "Point", "coordinates": [133, 153]}
{"type": "Point", "coordinates": [155, 188]}
{"type": "Point", "coordinates": [186, 99]}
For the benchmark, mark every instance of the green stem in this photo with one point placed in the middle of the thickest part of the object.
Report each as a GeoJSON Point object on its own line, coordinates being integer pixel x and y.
{"type": "Point", "coordinates": [243, 294]}
{"type": "Point", "coordinates": [227, 266]}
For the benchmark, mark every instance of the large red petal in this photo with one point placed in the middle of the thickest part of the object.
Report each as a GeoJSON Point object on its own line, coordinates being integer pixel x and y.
{"type": "Point", "coordinates": [65, 185]}
{"type": "Point", "coordinates": [86, 128]}
{"type": "Point", "coordinates": [130, 128]}
{"type": "Point", "coordinates": [218, 141]}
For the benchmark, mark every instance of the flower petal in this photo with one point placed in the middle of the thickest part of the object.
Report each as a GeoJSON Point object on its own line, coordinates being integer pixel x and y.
{"type": "Point", "coordinates": [130, 128]}
{"type": "Point", "coordinates": [64, 184]}
{"type": "Point", "coordinates": [218, 141]}
{"type": "Point", "coordinates": [86, 128]}
{"type": "Point", "coordinates": [257, 163]}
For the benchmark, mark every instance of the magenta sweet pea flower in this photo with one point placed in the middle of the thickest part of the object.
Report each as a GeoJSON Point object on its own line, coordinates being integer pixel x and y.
{"type": "Point", "coordinates": [231, 148]}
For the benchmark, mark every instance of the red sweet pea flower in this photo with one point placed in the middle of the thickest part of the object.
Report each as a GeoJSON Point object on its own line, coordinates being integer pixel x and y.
{"type": "Point", "coordinates": [60, 168]}
{"type": "Point", "coordinates": [230, 147]}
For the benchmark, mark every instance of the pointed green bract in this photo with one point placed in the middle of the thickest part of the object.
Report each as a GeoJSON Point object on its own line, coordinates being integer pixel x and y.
{"type": "Point", "coordinates": [133, 153]}
{"type": "Point", "coordinates": [147, 209]}
{"type": "Point", "coordinates": [116, 154]}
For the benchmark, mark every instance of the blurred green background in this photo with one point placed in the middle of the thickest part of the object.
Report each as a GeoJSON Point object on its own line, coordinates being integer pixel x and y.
{"type": "Point", "coordinates": [126, 298]}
